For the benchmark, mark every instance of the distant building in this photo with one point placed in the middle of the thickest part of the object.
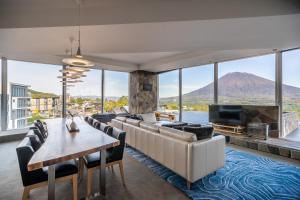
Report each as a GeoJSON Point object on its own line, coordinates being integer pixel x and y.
{"type": "Point", "coordinates": [46, 104]}
{"type": "Point", "coordinates": [19, 106]}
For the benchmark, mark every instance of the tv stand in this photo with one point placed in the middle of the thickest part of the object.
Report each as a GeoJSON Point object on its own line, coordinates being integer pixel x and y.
{"type": "Point", "coordinates": [229, 129]}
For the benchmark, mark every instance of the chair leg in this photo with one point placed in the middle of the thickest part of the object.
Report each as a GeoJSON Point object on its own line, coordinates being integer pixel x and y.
{"type": "Point", "coordinates": [26, 191]}
{"type": "Point", "coordinates": [89, 182]}
{"type": "Point", "coordinates": [75, 187]}
{"type": "Point", "coordinates": [188, 184]}
{"type": "Point", "coordinates": [122, 171]}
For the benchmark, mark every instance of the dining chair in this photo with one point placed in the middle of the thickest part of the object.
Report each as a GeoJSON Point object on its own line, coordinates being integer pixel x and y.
{"type": "Point", "coordinates": [37, 132]}
{"type": "Point", "coordinates": [104, 128]}
{"type": "Point", "coordinates": [95, 123]}
{"type": "Point", "coordinates": [114, 156]}
{"type": "Point", "coordinates": [90, 121]}
{"type": "Point", "coordinates": [42, 128]}
{"type": "Point", "coordinates": [65, 171]}
{"type": "Point", "coordinates": [34, 140]}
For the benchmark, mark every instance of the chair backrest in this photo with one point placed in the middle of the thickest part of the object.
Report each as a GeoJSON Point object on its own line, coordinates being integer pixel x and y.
{"type": "Point", "coordinates": [38, 133]}
{"type": "Point", "coordinates": [105, 128]}
{"type": "Point", "coordinates": [34, 139]}
{"type": "Point", "coordinates": [116, 153]}
{"type": "Point", "coordinates": [42, 127]}
{"type": "Point", "coordinates": [86, 118]}
{"type": "Point", "coordinates": [96, 123]}
{"type": "Point", "coordinates": [90, 121]}
{"type": "Point", "coordinates": [24, 154]}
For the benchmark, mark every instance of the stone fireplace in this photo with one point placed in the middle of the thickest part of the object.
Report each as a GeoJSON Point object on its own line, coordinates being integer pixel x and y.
{"type": "Point", "coordinates": [142, 92]}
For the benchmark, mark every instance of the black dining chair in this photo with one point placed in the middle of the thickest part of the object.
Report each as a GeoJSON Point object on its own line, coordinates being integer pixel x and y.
{"type": "Point", "coordinates": [90, 121]}
{"type": "Point", "coordinates": [42, 127]}
{"type": "Point", "coordinates": [95, 123]}
{"type": "Point", "coordinates": [37, 132]}
{"type": "Point", "coordinates": [114, 156]}
{"type": "Point", "coordinates": [104, 128]}
{"type": "Point", "coordinates": [64, 171]}
{"type": "Point", "coordinates": [34, 140]}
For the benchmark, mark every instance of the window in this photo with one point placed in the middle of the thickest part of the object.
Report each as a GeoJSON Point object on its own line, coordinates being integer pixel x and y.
{"type": "Point", "coordinates": [247, 81]}
{"type": "Point", "coordinates": [168, 92]}
{"type": "Point", "coordinates": [84, 97]}
{"type": "Point", "coordinates": [291, 81]}
{"type": "Point", "coordinates": [0, 91]}
{"type": "Point", "coordinates": [116, 91]}
{"type": "Point", "coordinates": [28, 83]}
{"type": "Point", "coordinates": [197, 93]}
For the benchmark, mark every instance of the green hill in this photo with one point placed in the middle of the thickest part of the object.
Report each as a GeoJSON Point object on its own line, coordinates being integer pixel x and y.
{"type": "Point", "coordinates": [41, 95]}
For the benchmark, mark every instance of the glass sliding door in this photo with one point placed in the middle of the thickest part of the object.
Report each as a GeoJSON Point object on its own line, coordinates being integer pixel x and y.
{"type": "Point", "coordinates": [168, 92]}
{"type": "Point", "coordinates": [247, 81]}
{"type": "Point", "coordinates": [84, 97]}
{"type": "Point", "coordinates": [197, 93]}
{"type": "Point", "coordinates": [116, 92]}
{"type": "Point", "coordinates": [34, 92]}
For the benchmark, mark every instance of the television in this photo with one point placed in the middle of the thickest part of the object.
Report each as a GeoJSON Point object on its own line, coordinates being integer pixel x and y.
{"type": "Point", "coordinates": [147, 87]}
{"type": "Point", "coordinates": [227, 115]}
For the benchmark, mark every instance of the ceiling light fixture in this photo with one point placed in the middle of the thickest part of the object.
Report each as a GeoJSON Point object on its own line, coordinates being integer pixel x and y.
{"type": "Point", "coordinates": [74, 70]}
{"type": "Point", "coordinates": [71, 76]}
{"type": "Point", "coordinates": [71, 81]}
{"type": "Point", "coordinates": [78, 60]}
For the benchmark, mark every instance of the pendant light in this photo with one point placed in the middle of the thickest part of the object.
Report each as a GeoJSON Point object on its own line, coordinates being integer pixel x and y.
{"type": "Point", "coordinates": [78, 60]}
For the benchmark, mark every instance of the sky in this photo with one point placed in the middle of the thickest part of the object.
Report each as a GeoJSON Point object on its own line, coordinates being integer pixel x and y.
{"type": "Point", "coordinates": [200, 76]}
{"type": "Point", "coordinates": [43, 78]}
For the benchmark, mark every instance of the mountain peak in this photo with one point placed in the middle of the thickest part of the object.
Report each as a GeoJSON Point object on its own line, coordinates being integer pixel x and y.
{"type": "Point", "coordinates": [243, 85]}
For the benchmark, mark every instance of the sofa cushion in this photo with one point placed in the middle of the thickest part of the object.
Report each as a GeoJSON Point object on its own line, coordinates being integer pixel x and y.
{"type": "Point", "coordinates": [149, 127]}
{"type": "Point", "coordinates": [104, 117]}
{"type": "Point", "coordinates": [180, 135]}
{"type": "Point", "coordinates": [122, 119]}
{"type": "Point", "coordinates": [134, 116]}
{"type": "Point", "coordinates": [149, 117]}
{"type": "Point", "coordinates": [133, 122]}
{"type": "Point", "coordinates": [116, 123]}
{"type": "Point", "coordinates": [203, 132]}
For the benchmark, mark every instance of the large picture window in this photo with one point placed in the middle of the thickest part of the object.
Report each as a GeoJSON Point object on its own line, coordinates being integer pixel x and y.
{"type": "Point", "coordinates": [116, 91]}
{"type": "Point", "coordinates": [197, 93]}
{"type": "Point", "coordinates": [291, 81]}
{"type": "Point", "coordinates": [84, 98]}
{"type": "Point", "coordinates": [169, 92]}
{"type": "Point", "coordinates": [247, 81]}
{"type": "Point", "coordinates": [34, 92]}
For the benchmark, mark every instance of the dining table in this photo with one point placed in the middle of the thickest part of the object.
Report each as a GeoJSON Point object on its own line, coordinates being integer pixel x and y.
{"type": "Point", "coordinates": [63, 145]}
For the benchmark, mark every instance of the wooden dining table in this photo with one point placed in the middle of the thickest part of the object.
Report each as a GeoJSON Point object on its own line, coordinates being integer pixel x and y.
{"type": "Point", "coordinates": [62, 145]}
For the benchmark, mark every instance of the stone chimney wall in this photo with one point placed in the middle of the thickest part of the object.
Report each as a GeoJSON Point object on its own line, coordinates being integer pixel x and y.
{"type": "Point", "coordinates": [140, 100]}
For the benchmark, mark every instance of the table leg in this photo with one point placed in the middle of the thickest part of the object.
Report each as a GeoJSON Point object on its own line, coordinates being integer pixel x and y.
{"type": "Point", "coordinates": [81, 168]}
{"type": "Point", "coordinates": [102, 171]}
{"type": "Point", "coordinates": [51, 182]}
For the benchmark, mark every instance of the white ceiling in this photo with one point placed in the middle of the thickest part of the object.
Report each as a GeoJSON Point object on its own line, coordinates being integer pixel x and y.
{"type": "Point", "coordinates": [168, 42]}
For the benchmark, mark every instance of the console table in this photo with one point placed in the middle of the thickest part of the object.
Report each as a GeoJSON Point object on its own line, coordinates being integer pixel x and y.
{"type": "Point", "coordinates": [227, 129]}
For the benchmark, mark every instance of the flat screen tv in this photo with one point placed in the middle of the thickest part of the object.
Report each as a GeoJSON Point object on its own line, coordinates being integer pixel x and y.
{"type": "Point", "coordinates": [147, 87]}
{"type": "Point", "coordinates": [227, 115]}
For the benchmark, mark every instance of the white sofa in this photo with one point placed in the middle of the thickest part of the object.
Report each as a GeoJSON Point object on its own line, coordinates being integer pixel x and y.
{"type": "Point", "coordinates": [177, 150]}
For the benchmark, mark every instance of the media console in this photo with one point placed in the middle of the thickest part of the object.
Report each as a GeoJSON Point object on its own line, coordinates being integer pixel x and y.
{"type": "Point", "coordinates": [234, 119]}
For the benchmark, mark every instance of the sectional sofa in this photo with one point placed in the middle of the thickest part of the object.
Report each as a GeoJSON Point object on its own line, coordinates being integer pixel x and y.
{"type": "Point", "coordinates": [177, 150]}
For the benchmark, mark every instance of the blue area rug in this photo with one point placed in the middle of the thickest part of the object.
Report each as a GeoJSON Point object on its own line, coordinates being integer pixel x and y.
{"type": "Point", "coordinates": [245, 176]}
